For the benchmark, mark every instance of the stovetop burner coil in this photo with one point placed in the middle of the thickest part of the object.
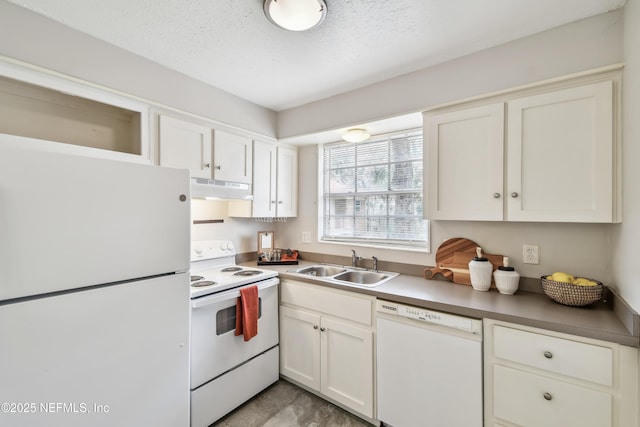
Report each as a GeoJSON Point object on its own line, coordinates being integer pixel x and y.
{"type": "Point", "coordinates": [247, 273]}
{"type": "Point", "coordinates": [203, 283]}
{"type": "Point", "coordinates": [196, 278]}
{"type": "Point", "coordinates": [230, 269]}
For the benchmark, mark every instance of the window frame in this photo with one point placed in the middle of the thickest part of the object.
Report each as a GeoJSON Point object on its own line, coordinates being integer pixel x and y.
{"type": "Point", "coordinates": [405, 245]}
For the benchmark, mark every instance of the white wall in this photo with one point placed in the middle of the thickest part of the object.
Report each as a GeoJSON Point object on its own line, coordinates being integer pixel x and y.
{"type": "Point", "coordinates": [604, 252]}
{"type": "Point", "coordinates": [243, 232]}
{"type": "Point", "coordinates": [625, 251]}
{"type": "Point", "coordinates": [579, 248]}
{"type": "Point", "coordinates": [583, 249]}
{"type": "Point", "coordinates": [31, 38]}
{"type": "Point", "coordinates": [583, 45]}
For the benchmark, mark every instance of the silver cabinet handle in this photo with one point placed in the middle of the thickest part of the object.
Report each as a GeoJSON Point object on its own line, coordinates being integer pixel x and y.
{"type": "Point", "coordinates": [323, 329]}
{"type": "Point", "coordinates": [315, 326]}
{"type": "Point", "coordinates": [548, 354]}
{"type": "Point", "coordinates": [496, 195]}
{"type": "Point", "coordinates": [218, 167]}
{"type": "Point", "coordinates": [207, 165]}
{"type": "Point", "coordinates": [280, 202]}
{"type": "Point", "coordinates": [273, 202]}
{"type": "Point", "coordinates": [514, 194]}
{"type": "Point", "coordinates": [547, 396]}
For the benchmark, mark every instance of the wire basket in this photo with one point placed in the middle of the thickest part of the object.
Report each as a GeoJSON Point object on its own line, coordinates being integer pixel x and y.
{"type": "Point", "coordinates": [570, 294]}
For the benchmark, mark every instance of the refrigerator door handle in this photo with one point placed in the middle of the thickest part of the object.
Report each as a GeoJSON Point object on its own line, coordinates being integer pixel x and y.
{"type": "Point", "coordinates": [231, 294]}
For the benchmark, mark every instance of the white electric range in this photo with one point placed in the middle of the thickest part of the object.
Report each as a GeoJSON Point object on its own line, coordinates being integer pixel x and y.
{"type": "Point", "coordinates": [226, 371]}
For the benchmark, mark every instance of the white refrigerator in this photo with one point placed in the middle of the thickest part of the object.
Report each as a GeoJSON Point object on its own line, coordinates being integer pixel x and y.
{"type": "Point", "coordinates": [94, 291]}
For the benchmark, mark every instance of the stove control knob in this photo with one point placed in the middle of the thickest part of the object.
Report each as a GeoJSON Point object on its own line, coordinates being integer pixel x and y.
{"type": "Point", "coordinates": [198, 250]}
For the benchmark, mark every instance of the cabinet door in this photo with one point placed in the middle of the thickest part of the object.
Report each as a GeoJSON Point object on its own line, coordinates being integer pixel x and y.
{"type": "Point", "coordinates": [287, 182]}
{"type": "Point", "coordinates": [300, 346]}
{"type": "Point", "coordinates": [232, 157]}
{"type": "Point", "coordinates": [185, 145]}
{"type": "Point", "coordinates": [347, 365]}
{"type": "Point", "coordinates": [464, 163]}
{"type": "Point", "coordinates": [560, 155]}
{"type": "Point", "coordinates": [264, 179]}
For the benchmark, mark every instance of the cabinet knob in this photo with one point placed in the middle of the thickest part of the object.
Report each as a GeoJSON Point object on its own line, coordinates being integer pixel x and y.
{"type": "Point", "coordinates": [280, 202]}
{"type": "Point", "coordinates": [323, 329]}
{"type": "Point", "coordinates": [273, 202]}
{"type": "Point", "coordinates": [207, 165]}
{"type": "Point", "coordinates": [547, 396]}
{"type": "Point", "coordinates": [496, 195]}
{"type": "Point", "coordinates": [514, 194]}
{"type": "Point", "coordinates": [315, 326]}
{"type": "Point", "coordinates": [218, 167]}
{"type": "Point", "coordinates": [548, 354]}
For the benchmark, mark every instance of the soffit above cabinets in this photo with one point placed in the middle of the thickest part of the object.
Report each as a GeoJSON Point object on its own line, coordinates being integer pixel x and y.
{"type": "Point", "coordinates": [231, 45]}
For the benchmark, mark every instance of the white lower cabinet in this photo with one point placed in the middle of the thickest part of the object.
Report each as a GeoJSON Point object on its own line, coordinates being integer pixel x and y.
{"type": "Point", "coordinates": [326, 343]}
{"type": "Point", "coordinates": [530, 399]}
{"type": "Point", "coordinates": [536, 377]}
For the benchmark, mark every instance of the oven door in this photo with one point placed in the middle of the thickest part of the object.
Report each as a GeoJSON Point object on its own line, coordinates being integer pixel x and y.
{"type": "Point", "coordinates": [214, 347]}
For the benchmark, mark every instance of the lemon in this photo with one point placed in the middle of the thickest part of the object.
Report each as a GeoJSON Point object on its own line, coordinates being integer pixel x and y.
{"type": "Point", "coordinates": [581, 281]}
{"type": "Point", "coordinates": [560, 276]}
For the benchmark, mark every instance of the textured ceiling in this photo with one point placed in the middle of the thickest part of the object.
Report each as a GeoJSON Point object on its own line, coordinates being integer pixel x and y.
{"type": "Point", "coordinates": [231, 45]}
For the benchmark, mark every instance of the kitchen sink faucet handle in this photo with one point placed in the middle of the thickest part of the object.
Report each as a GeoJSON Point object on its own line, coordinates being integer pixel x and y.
{"type": "Point", "coordinates": [354, 258]}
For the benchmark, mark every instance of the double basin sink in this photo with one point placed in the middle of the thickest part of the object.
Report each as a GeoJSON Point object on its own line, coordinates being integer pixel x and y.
{"type": "Point", "coordinates": [346, 275]}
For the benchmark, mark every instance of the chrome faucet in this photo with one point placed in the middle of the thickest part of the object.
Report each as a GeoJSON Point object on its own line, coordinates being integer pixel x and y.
{"type": "Point", "coordinates": [354, 258]}
{"type": "Point", "coordinates": [375, 263]}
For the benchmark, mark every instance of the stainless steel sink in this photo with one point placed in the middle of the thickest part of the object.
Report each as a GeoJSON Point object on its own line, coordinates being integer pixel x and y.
{"type": "Point", "coordinates": [321, 270]}
{"type": "Point", "coordinates": [345, 275]}
{"type": "Point", "coordinates": [362, 277]}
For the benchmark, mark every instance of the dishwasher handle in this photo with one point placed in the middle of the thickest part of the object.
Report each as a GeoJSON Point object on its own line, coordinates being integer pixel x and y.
{"type": "Point", "coordinates": [429, 317]}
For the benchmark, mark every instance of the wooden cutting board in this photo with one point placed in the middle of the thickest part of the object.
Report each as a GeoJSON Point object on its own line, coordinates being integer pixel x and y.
{"type": "Point", "coordinates": [452, 261]}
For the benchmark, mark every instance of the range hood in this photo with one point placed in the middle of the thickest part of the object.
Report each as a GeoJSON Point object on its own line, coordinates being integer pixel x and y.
{"type": "Point", "coordinates": [202, 188]}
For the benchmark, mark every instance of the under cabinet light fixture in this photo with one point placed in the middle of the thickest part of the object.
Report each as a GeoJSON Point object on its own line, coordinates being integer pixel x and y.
{"type": "Point", "coordinates": [295, 15]}
{"type": "Point", "coordinates": [355, 135]}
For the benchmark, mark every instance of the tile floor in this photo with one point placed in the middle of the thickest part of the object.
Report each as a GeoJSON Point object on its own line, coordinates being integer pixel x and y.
{"type": "Point", "coordinates": [286, 405]}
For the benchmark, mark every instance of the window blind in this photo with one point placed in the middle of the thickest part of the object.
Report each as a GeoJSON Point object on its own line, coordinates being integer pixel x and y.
{"type": "Point", "coordinates": [373, 191]}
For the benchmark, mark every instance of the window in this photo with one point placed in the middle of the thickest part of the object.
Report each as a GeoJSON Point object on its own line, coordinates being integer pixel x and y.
{"type": "Point", "coordinates": [372, 191]}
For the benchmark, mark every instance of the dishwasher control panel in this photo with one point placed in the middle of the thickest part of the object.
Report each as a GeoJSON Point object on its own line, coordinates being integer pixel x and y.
{"type": "Point", "coordinates": [467, 324]}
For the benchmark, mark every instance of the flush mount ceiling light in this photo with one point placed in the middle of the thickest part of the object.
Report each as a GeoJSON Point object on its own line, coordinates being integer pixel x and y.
{"type": "Point", "coordinates": [355, 135]}
{"type": "Point", "coordinates": [295, 15]}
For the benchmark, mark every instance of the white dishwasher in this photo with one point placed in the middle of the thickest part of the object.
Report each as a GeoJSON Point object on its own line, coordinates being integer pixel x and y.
{"type": "Point", "coordinates": [429, 367]}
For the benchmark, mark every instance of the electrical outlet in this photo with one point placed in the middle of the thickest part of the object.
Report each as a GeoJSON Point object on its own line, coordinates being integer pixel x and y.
{"type": "Point", "coordinates": [530, 254]}
{"type": "Point", "coordinates": [306, 237]}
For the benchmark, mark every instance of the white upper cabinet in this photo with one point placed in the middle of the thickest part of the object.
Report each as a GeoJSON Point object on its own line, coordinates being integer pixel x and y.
{"type": "Point", "coordinates": [464, 163]}
{"type": "Point", "coordinates": [560, 155]}
{"type": "Point", "coordinates": [232, 157]}
{"type": "Point", "coordinates": [287, 182]}
{"type": "Point", "coordinates": [545, 157]}
{"type": "Point", "coordinates": [264, 183]}
{"type": "Point", "coordinates": [185, 145]}
{"type": "Point", "coordinates": [275, 183]}
{"type": "Point", "coordinates": [206, 153]}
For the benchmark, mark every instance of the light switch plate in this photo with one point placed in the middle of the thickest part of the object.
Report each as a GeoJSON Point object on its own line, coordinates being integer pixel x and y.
{"type": "Point", "coordinates": [306, 237]}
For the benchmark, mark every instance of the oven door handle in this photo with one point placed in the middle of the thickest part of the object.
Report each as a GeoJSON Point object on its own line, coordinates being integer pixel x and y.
{"type": "Point", "coordinates": [232, 293]}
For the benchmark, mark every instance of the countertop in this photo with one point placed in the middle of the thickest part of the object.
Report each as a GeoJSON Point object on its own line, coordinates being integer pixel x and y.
{"type": "Point", "coordinates": [598, 320]}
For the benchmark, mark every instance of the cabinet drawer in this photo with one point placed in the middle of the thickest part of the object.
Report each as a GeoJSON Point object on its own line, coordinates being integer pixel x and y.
{"type": "Point", "coordinates": [579, 360]}
{"type": "Point", "coordinates": [519, 397]}
{"type": "Point", "coordinates": [337, 303]}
